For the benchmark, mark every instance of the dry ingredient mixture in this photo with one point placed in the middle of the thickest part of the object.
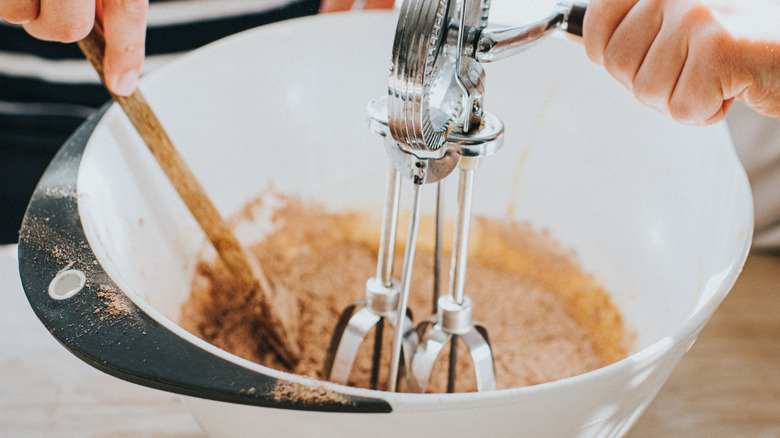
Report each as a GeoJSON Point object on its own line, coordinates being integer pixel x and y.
{"type": "Point", "coordinates": [546, 318]}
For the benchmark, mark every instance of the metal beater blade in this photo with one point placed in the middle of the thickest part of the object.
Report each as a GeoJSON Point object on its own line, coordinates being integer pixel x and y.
{"type": "Point", "coordinates": [379, 305]}
{"type": "Point", "coordinates": [453, 321]}
{"type": "Point", "coordinates": [393, 306]}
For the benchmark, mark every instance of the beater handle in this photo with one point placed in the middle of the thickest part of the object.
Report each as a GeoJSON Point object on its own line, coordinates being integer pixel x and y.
{"type": "Point", "coordinates": [576, 18]}
{"type": "Point", "coordinates": [495, 44]}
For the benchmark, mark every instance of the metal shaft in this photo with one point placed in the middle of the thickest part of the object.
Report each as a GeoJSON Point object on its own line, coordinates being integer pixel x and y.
{"type": "Point", "coordinates": [452, 370]}
{"type": "Point", "coordinates": [376, 359]}
{"type": "Point", "coordinates": [406, 278]}
{"type": "Point", "coordinates": [460, 252]}
{"type": "Point", "coordinates": [384, 264]}
{"type": "Point", "coordinates": [438, 247]}
{"type": "Point", "coordinates": [460, 246]}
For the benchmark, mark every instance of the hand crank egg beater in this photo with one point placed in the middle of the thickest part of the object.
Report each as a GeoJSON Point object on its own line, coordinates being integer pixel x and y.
{"type": "Point", "coordinates": [433, 121]}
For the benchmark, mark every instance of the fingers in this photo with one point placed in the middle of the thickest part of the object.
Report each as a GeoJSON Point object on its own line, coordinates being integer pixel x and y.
{"type": "Point", "coordinates": [61, 20]}
{"type": "Point", "coordinates": [699, 97]}
{"type": "Point", "coordinates": [124, 25]}
{"type": "Point", "coordinates": [19, 11]}
{"type": "Point", "coordinates": [601, 20]}
{"type": "Point", "coordinates": [665, 52]}
{"type": "Point", "coordinates": [656, 78]}
{"type": "Point", "coordinates": [630, 42]}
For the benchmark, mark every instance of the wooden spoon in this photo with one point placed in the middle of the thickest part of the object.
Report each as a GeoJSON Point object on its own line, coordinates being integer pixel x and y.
{"type": "Point", "coordinates": [249, 277]}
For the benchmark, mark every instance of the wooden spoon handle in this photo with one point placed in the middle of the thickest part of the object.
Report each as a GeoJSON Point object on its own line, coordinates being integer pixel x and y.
{"type": "Point", "coordinates": [248, 276]}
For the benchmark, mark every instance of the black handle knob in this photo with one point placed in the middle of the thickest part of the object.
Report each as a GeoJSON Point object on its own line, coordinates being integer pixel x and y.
{"type": "Point", "coordinates": [575, 19]}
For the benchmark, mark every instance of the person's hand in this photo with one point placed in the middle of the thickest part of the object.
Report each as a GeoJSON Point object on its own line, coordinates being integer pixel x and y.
{"type": "Point", "coordinates": [690, 59]}
{"type": "Point", "coordinates": [124, 25]}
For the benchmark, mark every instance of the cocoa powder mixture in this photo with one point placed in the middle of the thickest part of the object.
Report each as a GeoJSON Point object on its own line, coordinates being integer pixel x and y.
{"type": "Point", "coordinates": [546, 318]}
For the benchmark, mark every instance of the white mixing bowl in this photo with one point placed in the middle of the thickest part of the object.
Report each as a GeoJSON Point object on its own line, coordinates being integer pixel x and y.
{"type": "Point", "coordinates": [660, 213]}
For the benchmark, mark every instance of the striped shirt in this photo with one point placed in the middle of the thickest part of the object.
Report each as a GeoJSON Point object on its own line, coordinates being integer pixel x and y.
{"type": "Point", "coordinates": [48, 89]}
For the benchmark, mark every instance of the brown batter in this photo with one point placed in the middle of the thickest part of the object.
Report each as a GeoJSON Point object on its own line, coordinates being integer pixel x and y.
{"type": "Point", "coordinates": [546, 318]}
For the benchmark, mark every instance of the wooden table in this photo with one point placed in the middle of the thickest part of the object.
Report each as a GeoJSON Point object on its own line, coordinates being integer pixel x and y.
{"type": "Point", "coordinates": [728, 385]}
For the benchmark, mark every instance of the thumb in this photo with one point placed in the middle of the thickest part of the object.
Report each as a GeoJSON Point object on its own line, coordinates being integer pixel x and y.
{"type": "Point", "coordinates": [124, 26]}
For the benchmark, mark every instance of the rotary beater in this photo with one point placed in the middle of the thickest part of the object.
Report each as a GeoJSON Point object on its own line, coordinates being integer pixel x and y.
{"type": "Point", "coordinates": [433, 121]}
